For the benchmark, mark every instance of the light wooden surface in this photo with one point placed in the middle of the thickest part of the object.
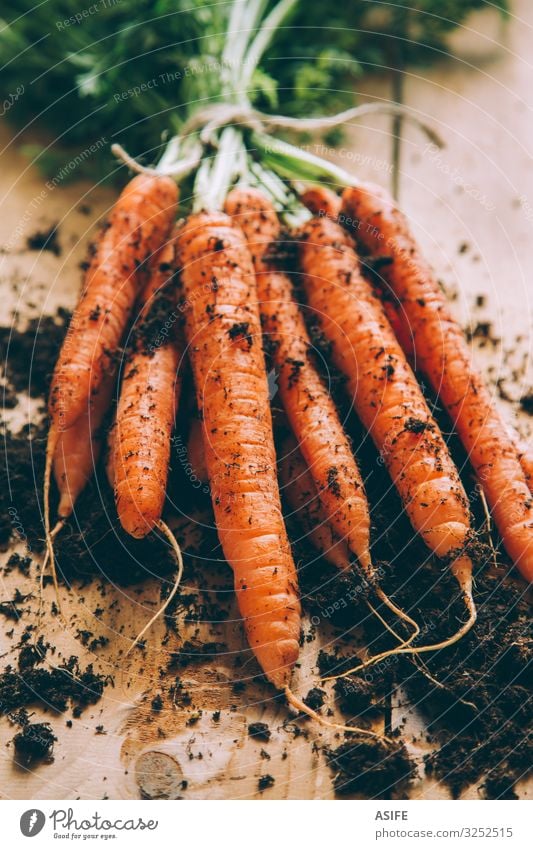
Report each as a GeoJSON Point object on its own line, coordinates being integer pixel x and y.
{"type": "Point", "coordinates": [484, 113]}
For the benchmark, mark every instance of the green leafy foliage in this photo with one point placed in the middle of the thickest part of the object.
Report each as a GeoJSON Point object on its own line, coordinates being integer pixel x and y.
{"type": "Point", "coordinates": [133, 70]}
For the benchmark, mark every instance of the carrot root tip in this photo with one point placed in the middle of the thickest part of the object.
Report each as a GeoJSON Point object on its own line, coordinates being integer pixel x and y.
{"type": "Point", "coordinates": [53, 437]}
{"type": "Point", "coordinates": [163, 527]}
{"type": "Point", "coordinates": [301, 707]}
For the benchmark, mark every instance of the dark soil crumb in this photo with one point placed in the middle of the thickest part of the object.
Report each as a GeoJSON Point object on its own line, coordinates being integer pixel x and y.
{"type": "Point", "coordinates": [28, 355]}
{"type": "Point", "coordinates": [333, 483]}
{"type": "Point", "coordinates": [265, 782]}
{"type": "Point", "coordinates": [55, 688]}
{"type": "Point", "coordinates": [21, 465]}
{"type": "Point", "coordinates": [19, 562]}
{"type": "Point", "coordinates": [359, 697]}
{"type": "Point", "coordinates": [482, 331]}
{"type": "Point", "coordinates": [157, 703]}
{"type": "Point", "coordinates": [373, 768]}
{"type": "Point", "coordinates": [45, 240]}
{"type": "Point", "coordinates": [8, 397]}
{"type": "Point", "coordinates": [526, 402]}
{"type": "Point", "coordinates": [416, 425]}
{"type": "Point", "coordinates": [498, 785]}
{"type": "Point", "coordinates": [315, 698]}
{"type": "Point", "coordinates": [259, 730]}
{"type": "Point", "coordinates": [239, 330]}
{"type": "Point", "coordinates": [34, 742]}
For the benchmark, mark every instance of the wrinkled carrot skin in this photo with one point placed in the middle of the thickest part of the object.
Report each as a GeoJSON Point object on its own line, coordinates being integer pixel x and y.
{"type": "Point", "coordinates": [139, 223]}
{"type": "Point", "coordinates": [299, 490]}
{"type": "Point", "coordinates": [309, 407]}
{"type": "Point", "coordinates": [443, 355]}
{"type": "Point", "coordinates": [386, 395]}
{"type": "Point", "coordinates": [223, 333]}
{"type": "Point", "coordinates": [147, 406]}
{"type": "Point", "coordinates": [78, 449]}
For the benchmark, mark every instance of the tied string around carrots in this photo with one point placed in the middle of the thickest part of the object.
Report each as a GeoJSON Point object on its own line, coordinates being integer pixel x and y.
{"type": "Point", "coordinates": [185, 152]}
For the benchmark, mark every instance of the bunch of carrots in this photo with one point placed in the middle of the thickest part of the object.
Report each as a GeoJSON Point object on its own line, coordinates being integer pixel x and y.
{"type": "Point", "coordinates": [221, 266]}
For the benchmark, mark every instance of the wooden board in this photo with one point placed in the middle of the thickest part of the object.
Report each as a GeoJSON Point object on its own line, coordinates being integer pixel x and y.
{"type": "Point", "coordinates": [472, 208]}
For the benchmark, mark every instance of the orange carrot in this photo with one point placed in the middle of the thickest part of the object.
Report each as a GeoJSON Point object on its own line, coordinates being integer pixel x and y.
{"type": "Point", "coordinates": [78, 449]}
{"type": "Point", "coordinates": [387, 398]}
{"type": "Point", "coordinates": [196, 451]}
{"type": "Point", "coordinates": [298, 488]}
{"type": "Point", "coordinates": [443, 355]}
{"type": "Point", "coordinates": [322, 201]}
{"type": "Point", "coordinates": [147, 404]}
{"type": "Point", "coordinates": [223, 333]}
{"type": "Point", "coordinates": [309, 407]}
{"type": "Point", "coordinates": [139, 223]}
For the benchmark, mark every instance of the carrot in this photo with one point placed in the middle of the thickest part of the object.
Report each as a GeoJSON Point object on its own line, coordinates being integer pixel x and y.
{"type": "Point", "coordinates": [196, 451]}
{"type": "Point", "coordinates": [443, 355]}
{"type": "Point", "coordinates": [223, 333]}
{"type": "Point", "coordinates": [298, 488]}
{"type": "Point", "coordinates": [78, 449]}
{"type": "Point", "coordinates": [139, 223]}
{"type": "Point", "coordinates": [388, 399]}
{"type": "Point", "coordinates": [322, 201]}
{"type": "Point", "coordinates": [309, 407]}
{"type": "Point", "coordinates": [147, 405]}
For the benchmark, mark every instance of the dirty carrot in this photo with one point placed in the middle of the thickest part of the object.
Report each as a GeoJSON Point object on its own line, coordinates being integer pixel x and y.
{"type": "Point", "coordinates": [310, 409]}
{"type": "Point", "coordinates": [140, 221]}
{"type": "Point", "coordinates": [388, 399]}
{"type": "Point", "coordinates": [322, 201]}
{"type": "Point", "coordinates": [78, 448]}
{"type": "Point", "coordinates": [223, 333]}
{"type": "Point", "coordinates": [299, 490]}
{"type": "Point", "coordinates": [147, 404]}
{"type": "Point", "coordinates": [443, 355]}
